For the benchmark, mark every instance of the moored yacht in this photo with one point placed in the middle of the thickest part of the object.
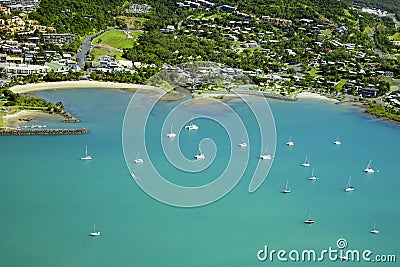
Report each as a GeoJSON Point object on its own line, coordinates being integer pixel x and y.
{"type": "Point", "coordinates": [308, 220]}
{"type": "Point", "coordinates": [244, 143]}
{"type": "Point", "coordinates": [192, 127]}
{"type": "Point", "coordinates": [95, 233]}
{"type": "Point", "coordinates": [337, 142]}
{"type": "Point", "coordinates": [138, 159]}
{"type": "Point", "coordinates": [290, 142]}
{"type": "Point", "coordinates": [86, 157]}
{"type": "Point", "coordinates": [374, 231]}
{"type": "Point", "coordinates": [313, 177]}
{"type": "Point", "coordinates": [171, 134]}
{"type": "Point", "coordinates": [266, 155]}
{"type": "Point", "coordinates": [306, 163]}
{"type": "Point", "coordinates": [369, 169]}
{"type": "Point", "coordinates": [200, 156]}
{"type": "Point", "coordinates": [286, 190]}
{"type": "Point", "coordinates": [349, 188]}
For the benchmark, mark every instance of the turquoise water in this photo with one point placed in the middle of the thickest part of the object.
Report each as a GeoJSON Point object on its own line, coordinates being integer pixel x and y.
{"type": "Point", "coordinates": [49, 199]}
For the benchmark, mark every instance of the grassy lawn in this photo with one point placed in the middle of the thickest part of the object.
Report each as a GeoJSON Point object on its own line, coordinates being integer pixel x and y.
{"type": "Point", "coordinates": [2, 113]}
{"type": "Point", "coordinates": [396, 36]}
{"type": "Point", "coordinates": [313, 72]}
{"type": "Point", "coordinates": [340, 85]}
{"type": "Point", "coordinates": [368, 30]}
{"type": "Point", "coordinates": [347, 13]}
{"type": "Point", "coordinates": [96, 52]}
{"type": "Point", "coordinates": [116, 39]}
{"type": "Point", "coordinates": [1, 120]}
{"type": "Point", "coordinates": [133, 23]}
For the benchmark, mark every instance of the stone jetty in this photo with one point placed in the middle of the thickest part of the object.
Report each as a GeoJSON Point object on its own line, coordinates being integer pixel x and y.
{"type": "Point", "coordinates": [42, 131]}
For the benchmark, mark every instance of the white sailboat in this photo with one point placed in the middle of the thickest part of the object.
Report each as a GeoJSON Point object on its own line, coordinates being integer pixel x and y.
{"type": "Point", "coordinates": [313, 177]}
{"type": "Point", "coordinates": [266, 155]}
{"type": "Point", "coordinates": [192, 127]}
{"type": "Point", "coordinates": [244, 143]}
{"type": "Point", "coordinates": [337, 142]}
{"type": "Point", "coordinates": [86, 157]}
{"type": "Point", "coordinates": [290, 142]}
{"type": "Point", "coordinates": [368, 169]}
{"type": "Point", "coordinates": [171, 134]}
{"type": "Point", "coordinates": [349, 188]}
{"type": "Point", "coordinates": [95, 233]}
{"type": "Point", "coordinates": [308, 220]}
{"type": "Point", "coordinates": [200, 155]}
{"type": "Point", "coordinates": [374, 231]}
{"type": "Point", "coordinates": [286, 190]}
{"type": "Point", "coordinates": [138, 160]}
{"type": "Point", "coordinates": [306, 163]}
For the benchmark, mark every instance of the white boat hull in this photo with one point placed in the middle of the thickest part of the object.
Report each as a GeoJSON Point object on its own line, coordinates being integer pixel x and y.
{"type": "Point", "coordinates": [95, 233]}
{"type": "Point", "coordinates": [171, 135]}
{"type": "Point", "coordinates": [200, 156]}
{"type": "Point", "coordinates": [138, 161]}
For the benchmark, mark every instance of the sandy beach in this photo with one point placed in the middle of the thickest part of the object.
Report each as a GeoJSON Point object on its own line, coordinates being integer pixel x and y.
{"type": "Point", "coordinates": [26, 88]}
{"type": "Point", "coordinates": [14, 120]}
{"type": "Point", "coordinates": [309, 95]}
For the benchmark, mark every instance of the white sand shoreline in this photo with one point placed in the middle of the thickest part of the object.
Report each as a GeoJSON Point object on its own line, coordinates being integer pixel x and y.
{"type": "Point", "coordinates": [32, 87]}
{"type": "Point", "coordinates": [309, 95]}
{"type": "Point", "coordinates": [15, 119]}
{"type": "Point", "coordinates": [26, 88]}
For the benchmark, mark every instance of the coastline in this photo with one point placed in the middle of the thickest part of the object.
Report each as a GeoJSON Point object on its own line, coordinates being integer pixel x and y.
{"type": "Point", "coordinates": [309, 95]}
{"type": "Point", "coordinates": [32, 87]}
{"type": "Point", "coordinates": [199, 99]}
{"type": "Point", "coordinates": [15, 119]}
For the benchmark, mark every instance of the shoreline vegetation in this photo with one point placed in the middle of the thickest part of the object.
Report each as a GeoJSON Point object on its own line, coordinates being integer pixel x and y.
{"type": "Point", "coordinates": [16, 119]}
{"type": "Point", "coordinates": [17, 116]}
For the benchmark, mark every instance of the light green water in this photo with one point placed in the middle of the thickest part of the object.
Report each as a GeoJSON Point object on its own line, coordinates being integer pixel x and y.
{"type": "Point", "coordinates": [49, 199]}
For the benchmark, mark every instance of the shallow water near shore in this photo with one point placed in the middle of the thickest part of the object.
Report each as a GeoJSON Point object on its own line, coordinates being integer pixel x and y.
{"type": "Point", "coordinates": [50, 199]}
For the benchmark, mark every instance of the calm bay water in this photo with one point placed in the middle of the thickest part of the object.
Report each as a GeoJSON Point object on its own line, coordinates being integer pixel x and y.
{"type": "Point", "coordinates": [49, 199]}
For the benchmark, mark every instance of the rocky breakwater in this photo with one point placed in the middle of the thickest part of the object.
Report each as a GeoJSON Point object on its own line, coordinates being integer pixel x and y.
{"type": "Point", "coordinates": [42, 131]}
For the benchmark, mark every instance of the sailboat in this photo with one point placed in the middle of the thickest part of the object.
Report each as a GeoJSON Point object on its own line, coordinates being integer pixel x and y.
{"type": "Point", "coordinates": [200, 155]}
{"type": "Point", "coordinates": [349, 188]}
{"type": "Point", "coordinates": [337, 142]}
{"type": "Point", "coordinates": [290, 142]}
{"type": "Point", "coordinates": [192, 127]}
{"type": "Point", "coordinates": [369, 169]}
{"type": "Point", "coordinates": [306, 163]}
{"type": "Point", "coordinates": [138, 160]}
{"type": "Point", "coordinates": [266, 155]}
{"type": "Point", "coordinates": [94, 233]}
{"type": "Point", "coordinates": [86, 157]}
{"type": "Point", "coordinates": [243, 144]}
{"type": "Point", "coordinates": [308, 220]}
{"type": "Point", "coordinates": [171, 134]}
{"type": "Point", "coordinates": [374, 231]}
{"type": "Point", "coordinates": [313, 177]}
{"type": "Point", "coordinates": [286, 190]}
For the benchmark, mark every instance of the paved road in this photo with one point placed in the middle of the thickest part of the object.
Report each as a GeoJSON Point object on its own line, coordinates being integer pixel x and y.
{"type": "Point", "coordinates": [83, 52]}
{"type": "Point", "coordinates": [84, 49]}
